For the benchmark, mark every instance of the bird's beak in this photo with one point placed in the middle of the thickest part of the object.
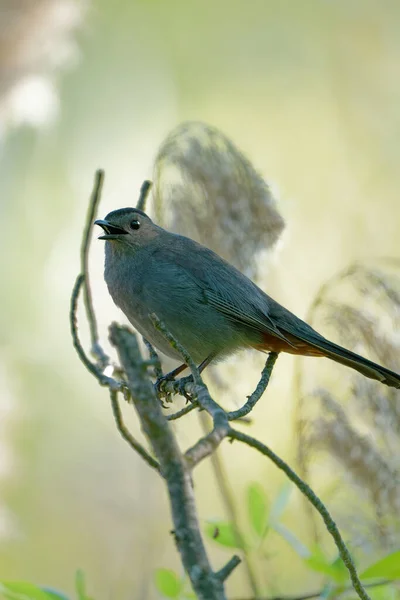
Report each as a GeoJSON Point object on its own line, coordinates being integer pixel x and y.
{"type": "Point", "coordinates": [112, 232]}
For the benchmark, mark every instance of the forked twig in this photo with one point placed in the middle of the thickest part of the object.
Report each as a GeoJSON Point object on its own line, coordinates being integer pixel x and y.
{"type": "Point", "coordinates": [258, 392]}
{"type": "Point", "coordinates": [126, 434]}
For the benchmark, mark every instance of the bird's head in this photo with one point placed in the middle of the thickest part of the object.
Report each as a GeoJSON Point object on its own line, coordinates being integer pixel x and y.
{"type": "Point", "coordinates": [128, 227]}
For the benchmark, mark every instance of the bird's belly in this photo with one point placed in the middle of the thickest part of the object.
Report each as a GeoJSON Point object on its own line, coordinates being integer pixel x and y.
{"type": "Point", "coordinates": [200, 335]}
{"type": "Point", "coordinates": [138, 315]}
{"type": "Point", "coordinates": [201, 330]}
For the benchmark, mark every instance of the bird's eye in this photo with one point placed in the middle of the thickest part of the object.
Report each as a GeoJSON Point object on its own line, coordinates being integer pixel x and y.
{"type": "Point", "coordinates": [135, 224]}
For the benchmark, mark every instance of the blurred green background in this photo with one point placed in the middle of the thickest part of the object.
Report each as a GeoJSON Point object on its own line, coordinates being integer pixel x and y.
{"type": "Point", "coordinates": [310, 91]}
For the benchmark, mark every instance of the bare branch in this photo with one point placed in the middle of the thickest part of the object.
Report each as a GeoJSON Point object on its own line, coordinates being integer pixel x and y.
{"type": "Point", "coordinates": [224, 573]}
{"type": "Point", "coordinates": [258, 392]}
{"type": "Point", "coordinates": [158, 372]}
{"type": "Point", "coordinates": [173, 467]}
{"type": "Point", "coordinates": [228, 498]}
{"type": "Point", "coordinates": [97, 350]}
{"type": "Point", "coordinates": [210, 442]}
{"type": "Point", "coordinates": [199, 392]}
{"type": "Point", "coordinates": [113, 384]}
{"type": "Point", "coordinates": [320, 593]}
{"type": "Point", "coordinates": [184, 411]}
{"type": "Point", "coordinates": [185, 385]}
{"type": "Point", "coordinates": [315, 501]}
{"type": "Point", "coordinates": [159, 325]}
{"type": "Point", "coordinates": [144, 192]}
{"type": "Point", "coordinates": [128, 437]}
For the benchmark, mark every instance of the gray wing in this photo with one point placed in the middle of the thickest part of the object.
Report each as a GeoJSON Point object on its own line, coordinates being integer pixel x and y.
{"type": "Point", "coordinates": [220, 284]}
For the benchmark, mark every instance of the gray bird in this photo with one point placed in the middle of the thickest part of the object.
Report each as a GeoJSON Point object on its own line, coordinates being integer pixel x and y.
{"type": "Point", "coordinates": [211, 308]}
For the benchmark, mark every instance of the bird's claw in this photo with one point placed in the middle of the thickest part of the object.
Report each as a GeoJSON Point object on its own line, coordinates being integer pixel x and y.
{"type": "Point", "coordinates": [181, 388]}
{"type": "Point", "coordinates": [159, 387]}
{"type": "Point", "coordinates": [160, 383]}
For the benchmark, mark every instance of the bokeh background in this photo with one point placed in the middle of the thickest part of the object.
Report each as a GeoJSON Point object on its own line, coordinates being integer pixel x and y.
{"type": "Point", "coordinates": [310, 92]}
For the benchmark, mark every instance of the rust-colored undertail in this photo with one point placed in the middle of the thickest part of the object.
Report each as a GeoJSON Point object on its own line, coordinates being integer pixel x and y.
{"type": "Point", "coordinates": [316, 345]}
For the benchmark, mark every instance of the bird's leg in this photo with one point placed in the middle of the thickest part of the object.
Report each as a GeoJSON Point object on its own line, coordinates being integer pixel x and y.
{"type": "Point", "coordinates": [189, 379]}
{"type": "Point", "coordinates": [206, 362]}
{"type": "Point", "coordinates": [168, 377]}
{"type": "Point", "coordinates": [173, 374]}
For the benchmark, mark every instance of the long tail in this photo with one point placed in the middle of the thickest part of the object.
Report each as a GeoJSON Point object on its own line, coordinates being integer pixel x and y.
{"type": "Point", "coordinates": [360, 364]}
{"type": "Point", "coordinates": [324, 347]}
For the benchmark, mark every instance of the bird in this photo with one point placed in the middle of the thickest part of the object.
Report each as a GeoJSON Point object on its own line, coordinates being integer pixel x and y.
{"type": "Point", "coordinates": [210, 307]}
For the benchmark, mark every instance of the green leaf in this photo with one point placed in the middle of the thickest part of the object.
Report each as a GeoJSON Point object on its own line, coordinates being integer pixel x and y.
{"type": "Point", "coordinates": [80, 585]}
{"type": "Point", "coordinates": [335, 570]}
{"type": "Point", "coordinates": [291, 539]}
{"type": "Point", "coordinates": [280, 502]}
{"type": "Point", "coordinates": [168, 583]}
{"type": "Point", "coordinates": [54, 594]}
{"type": "Point", "coordinates": [383, 592]}
{"type": "Point", "coordinates": [388, 567]}
{"type": "Point", "coordinates": [257, 504]}
{"type": "Point", "coordinates": [331, 591]}
{"type": "Point", "coordinates": [21, 590]}
{"type": "Point", "coordinates": [341, 570]}
{"type": "Point", "coordinates": [223, 533]}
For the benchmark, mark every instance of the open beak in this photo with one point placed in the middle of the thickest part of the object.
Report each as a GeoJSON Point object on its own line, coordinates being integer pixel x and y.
{"type": "Point", "coordinates": [111, 232]}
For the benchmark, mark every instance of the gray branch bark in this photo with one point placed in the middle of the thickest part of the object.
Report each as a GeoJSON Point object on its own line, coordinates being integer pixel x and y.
{"type": "Point", "coordinates": [174, 468]}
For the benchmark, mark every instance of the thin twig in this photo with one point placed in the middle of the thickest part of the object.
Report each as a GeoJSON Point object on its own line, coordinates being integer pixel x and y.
{"type": "Point", "coordinates": [199, 392]}
{"type": "Point", "coordinates": [320, 593]}
{"type": "Point", "coordinates": [221, 476]}
{"type": "Point", "coordinates": [176, 345]}
{"type": "Point", "coordinates": [227, 496]}
{"type": "Point", "coordinates": [208, 444]}
{"type": "Point", "coordinates": [128, 437]}
{"type": "Point", "coordinates": [158, 372]}
{"type": "Point", "coordinates": [113, 384]}
{"type": "Point", "coordinates": [97, 350]}
{"type": "Point", "coordinates": [224, 573]}
{"type": "Point", "coordinates": [144, 192]}
{"type": "Point", "coordinates": [184, 411]}
{"type": "Point", "coordinates": [185, 387]}
{"type": "Point", "coordinates": [315, 501]}
{"type": "Point", "coordinates": [258, 392]}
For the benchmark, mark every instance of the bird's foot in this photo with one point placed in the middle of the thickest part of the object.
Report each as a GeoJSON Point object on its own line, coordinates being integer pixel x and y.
{"type": "Point", "coordinates": [161, 391]}
{"type": "Point", "coordinates": [161, 382]}
{"type": "Point", "coordinates": [181, 388]}
{"type": "Point", "coordinates": [167, 385]}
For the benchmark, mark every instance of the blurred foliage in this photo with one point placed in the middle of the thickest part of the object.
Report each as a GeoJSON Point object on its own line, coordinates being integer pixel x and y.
{"type": "Point", "coordinates": [20, 590]}
{"type": "Point", "coordinates": [357, 426]}
{"type": "Point", "coordinates": [204, 186]}
{"type": "Point", "coordinates": [335, 581]}
{"type": "Point", "coordinates": [309, 92]}
{"type": "Point", "coordinates": [263, 518]}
